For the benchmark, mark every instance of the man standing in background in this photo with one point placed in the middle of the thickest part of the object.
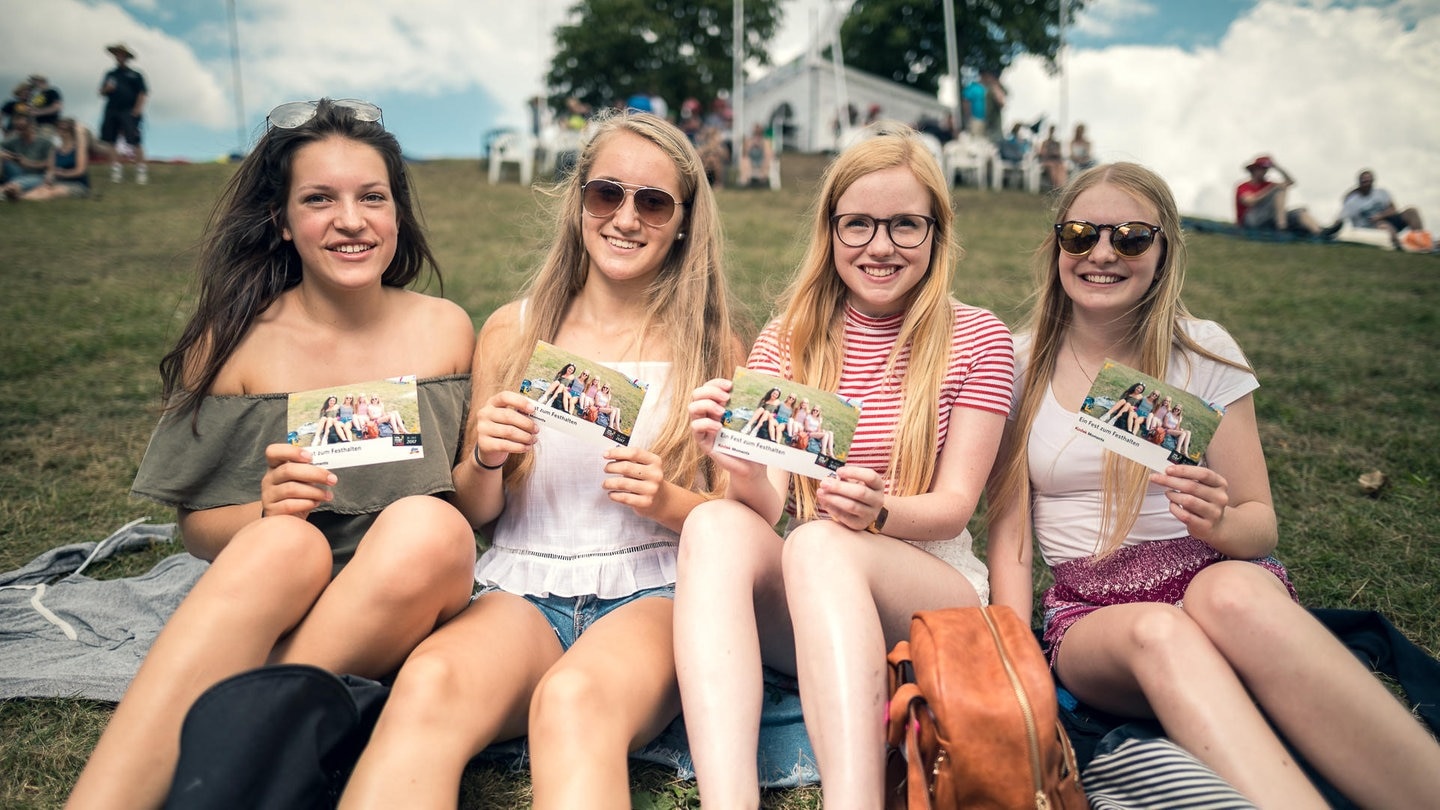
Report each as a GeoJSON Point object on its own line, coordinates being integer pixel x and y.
{"type": "Point", "coordinates": [125, 95]}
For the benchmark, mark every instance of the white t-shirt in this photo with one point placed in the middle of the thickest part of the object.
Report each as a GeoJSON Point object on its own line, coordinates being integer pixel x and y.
{"type": "Point", "coordinates": [1066, 467]}
{"type": "Point", "coordinates": [1358, 208]}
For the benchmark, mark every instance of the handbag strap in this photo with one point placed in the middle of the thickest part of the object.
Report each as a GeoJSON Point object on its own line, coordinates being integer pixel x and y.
{"type": "Point", "coordinates": [917, 780]}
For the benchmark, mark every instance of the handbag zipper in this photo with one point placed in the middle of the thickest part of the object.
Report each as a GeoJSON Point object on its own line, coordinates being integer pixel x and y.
{"type": "Point", "coordinates": [1032, 735]}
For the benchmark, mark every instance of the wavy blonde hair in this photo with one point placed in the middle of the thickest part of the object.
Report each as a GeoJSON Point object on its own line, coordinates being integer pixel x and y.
{"type": "Point", "coordinates": [811, 323]}
{"type": "Point", "coordinates": [1154, 330]}
{"type": "Point", "coordinates": [688, 306]}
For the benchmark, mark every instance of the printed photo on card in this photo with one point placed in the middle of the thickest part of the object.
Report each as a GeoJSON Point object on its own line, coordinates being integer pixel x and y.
{"type": "Point", "coordinates": [582, 398]}
{"type": "Point", "coordinates": [1146, 420]}
{"type": "Point", "coordinates": [781, 423]}
{"type": "Point", "coordinates": [371, 422]}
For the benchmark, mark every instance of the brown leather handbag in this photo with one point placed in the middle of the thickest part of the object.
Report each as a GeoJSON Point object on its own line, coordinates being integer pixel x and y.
{"type": "Point", "coordinates": [973, 720]}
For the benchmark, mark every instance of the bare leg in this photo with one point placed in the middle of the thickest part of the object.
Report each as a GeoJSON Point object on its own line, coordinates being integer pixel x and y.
{"type": "Point", "coordinates": [608, 695]}
{"type": "Point", "coordinates": [465, 686]}
{"type": "Point", "coordinates": [851, 597]}
{"type": "Point", "coordinates": [1344, 721]}
{"type": "Point", "coordinates": [730, 615]}
{"type": "Point", "coordinates": [413, 570]}
{"type": "Point", "coordinates": [257, 589]}
{"type": "Point", "coordinates": [1149, 659]}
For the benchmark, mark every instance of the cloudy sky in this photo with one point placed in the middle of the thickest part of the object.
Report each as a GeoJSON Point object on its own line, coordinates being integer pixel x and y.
{"type": "Point", "coordinates": [1193, 89]}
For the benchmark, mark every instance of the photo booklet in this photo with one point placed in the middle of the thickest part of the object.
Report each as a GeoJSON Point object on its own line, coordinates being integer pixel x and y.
{"type": "Point", "coordinates": [781, 423]}
{"type": "Point", "coordinates": [370, 422]}
{"type": "Point", "coordinates": [581, 397]}
{"type": "Point", "coordinates": [1145, 419]}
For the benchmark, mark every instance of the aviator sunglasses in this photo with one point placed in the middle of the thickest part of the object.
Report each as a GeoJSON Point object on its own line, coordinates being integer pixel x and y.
{"type": "Point", "coordinates": [654, 206]}
{"type": "Point", "coordinates": [1129, 239]}
{"type": "Point", "coordinates": [292, 114]}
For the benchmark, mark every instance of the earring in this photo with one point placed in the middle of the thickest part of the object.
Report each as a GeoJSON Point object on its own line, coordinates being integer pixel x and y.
{"type": "Point", "coordinates": [679, 236]}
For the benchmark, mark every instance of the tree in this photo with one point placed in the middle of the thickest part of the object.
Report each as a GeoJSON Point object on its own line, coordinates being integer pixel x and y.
{"type": "Point", "coordinates": [904, 40]}
{"type": "Point", "coordinates": [676, 49]}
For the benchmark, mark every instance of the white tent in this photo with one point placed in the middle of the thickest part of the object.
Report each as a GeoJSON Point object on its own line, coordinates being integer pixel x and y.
{"type": "Point", "coordinates": [803, 94]}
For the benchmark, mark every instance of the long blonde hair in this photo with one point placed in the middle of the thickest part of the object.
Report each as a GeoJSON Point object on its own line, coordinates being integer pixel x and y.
{"type": "Point", "coordinates": [811, 324]}
{"type": "Point", "coordinates": [1154, 330]}
{"type": "Point", "coordinates": [687, 306]}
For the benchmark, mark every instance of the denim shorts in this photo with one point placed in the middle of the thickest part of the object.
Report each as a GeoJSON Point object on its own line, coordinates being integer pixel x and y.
{"type": "Point", "coordinates": [569, 616]}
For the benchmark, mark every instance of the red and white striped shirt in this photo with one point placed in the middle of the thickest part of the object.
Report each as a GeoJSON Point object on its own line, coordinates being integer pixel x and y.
{"type": "Point", "coordinates": [980, 374]}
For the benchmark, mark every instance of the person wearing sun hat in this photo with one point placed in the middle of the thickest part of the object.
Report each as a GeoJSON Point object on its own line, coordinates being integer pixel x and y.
{"type": "Point", "coordinates": [125, 96]}
{"type": "Point", "coordinates": [1260, 203]}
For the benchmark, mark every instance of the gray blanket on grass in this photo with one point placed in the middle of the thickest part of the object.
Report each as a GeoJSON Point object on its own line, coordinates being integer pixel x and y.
{"type": "Point", "coordinates": [65, 635]}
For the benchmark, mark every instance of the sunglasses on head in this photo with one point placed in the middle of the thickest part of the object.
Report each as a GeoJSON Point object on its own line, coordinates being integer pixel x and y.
{"type": "Point", "coordinates": [292, 114]}
{"type": "Point", "coordinates": [1129, 239]}
{"type": "Point", "coordinates": [654, 206]}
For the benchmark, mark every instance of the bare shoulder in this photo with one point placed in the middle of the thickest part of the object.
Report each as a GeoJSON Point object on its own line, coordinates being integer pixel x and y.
{"type": "Point", "coordinates": [444, 325]}
{"type": "Point", "coordinates": [503, 321]}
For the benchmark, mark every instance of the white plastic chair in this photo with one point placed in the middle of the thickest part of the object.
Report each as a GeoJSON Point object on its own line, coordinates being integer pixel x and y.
{"type": "Point", "coordinates": [970, 161]}
{"type": "Point", "coordinates": [1026, 172]}
{"type": "Point", "coordinates": [512, 148]}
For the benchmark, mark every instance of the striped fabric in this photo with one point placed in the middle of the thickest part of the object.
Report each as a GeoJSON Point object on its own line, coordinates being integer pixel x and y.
{"type": "Point", "coordinates": [1156, 774]}
{"type": "Point", "coordinates": [980, 373]}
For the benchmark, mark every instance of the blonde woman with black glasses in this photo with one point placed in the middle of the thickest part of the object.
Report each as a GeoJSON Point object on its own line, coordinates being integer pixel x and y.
{"type": "Point", "coordinates": [569, 642]}
{"type": "Point", "coordinates": [309, 251]}
{"type": "Point", "coordinates": [870, 316]}
{"type": "Point", "coordinates": [1167, 603]}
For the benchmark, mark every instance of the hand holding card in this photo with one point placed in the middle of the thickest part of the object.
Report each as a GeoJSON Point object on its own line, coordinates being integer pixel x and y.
{"type": "Point", "coordinates": [1145, 419]}
{"type": "Point", "coordinates": [581, 397]}
{"type": "Point", "coordinates": [371, 422]}
{"type": "Point", "coordinates": [781, 423]}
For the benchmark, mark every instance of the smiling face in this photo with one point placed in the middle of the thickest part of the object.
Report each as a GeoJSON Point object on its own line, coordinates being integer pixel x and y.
{"type": "Point", "coordinates": [340, 213]}
{"type": "Point", "coordinates": [881, 276]}
{"type": "Point", "coordinates": [621, 248]}
{"type": "Point", "coordinates": [1102, 283]}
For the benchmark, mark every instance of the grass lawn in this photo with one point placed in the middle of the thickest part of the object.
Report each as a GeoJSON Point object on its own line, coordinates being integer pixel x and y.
{"type": "Point", "coordinates": [1344, 339]}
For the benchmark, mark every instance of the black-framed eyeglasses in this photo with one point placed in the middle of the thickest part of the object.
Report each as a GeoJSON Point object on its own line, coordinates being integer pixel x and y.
{"type": "Point", "coordinates": [292, 114]}
{"type": "Point", "coordinates": [905, 230]}
{"type": "Point", "coordinates": [1132, 240]}
{"type": "Point", "coordinates": [654, 206]}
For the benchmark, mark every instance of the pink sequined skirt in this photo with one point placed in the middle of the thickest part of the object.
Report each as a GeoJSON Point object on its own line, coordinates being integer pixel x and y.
{"type": "Point", "coordinates": [1157, 571]}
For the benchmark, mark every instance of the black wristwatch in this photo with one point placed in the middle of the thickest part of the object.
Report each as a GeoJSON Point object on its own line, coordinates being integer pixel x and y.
{"type": "Point", "coordinates": [879, 525]}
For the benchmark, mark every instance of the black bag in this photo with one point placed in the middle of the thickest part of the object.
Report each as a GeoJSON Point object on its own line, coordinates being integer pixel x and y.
{"type": "Point", "coordinates": [284, 736]}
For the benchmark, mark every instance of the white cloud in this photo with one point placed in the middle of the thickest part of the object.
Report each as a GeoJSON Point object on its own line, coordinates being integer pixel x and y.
{"type": "Point", "coordinates": [1325, 91]}
{"type": "Point", "coordinates": [66, 39]}
{"type": "Point", "coordinates": [1102, 18]}
{"type": "Point", "coordinates": [303, 50]}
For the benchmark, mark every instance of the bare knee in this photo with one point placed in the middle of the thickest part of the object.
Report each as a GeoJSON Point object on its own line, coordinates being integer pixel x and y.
{"type": "Point", "coordinates": [821, 551]}
{"type": "Point", "coordinates": [427, 689]}
{"type": "Point", "coordinates": [419, 547]}
{"type": "Point", "coordinates": [282, 556]}
{"type": "Point", "coordinates": [569, 703]}
{"type": "Point", "coordinates": [1233, 594]}
{"type": "Point", "coordinates": [716, 537]}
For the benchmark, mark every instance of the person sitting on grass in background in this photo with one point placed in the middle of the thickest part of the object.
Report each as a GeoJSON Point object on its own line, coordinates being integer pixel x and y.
{"type": "Point", "coordinates": [868, 315]}
{"type": "Point", "coordinates": [309, 251]}
{"type": "Point", "coordinates": [25, 158]}
{"type": "Point", "coordinates": [68, 173]}
{"type": "Point", "coordinates": [570, 640]}
{"type": "Point", "coordinates": [1260, 203]}
{"type": "Point", "coordinates": [1366, 206]}
{"type": "Point", "coordinates": [1167, 603]}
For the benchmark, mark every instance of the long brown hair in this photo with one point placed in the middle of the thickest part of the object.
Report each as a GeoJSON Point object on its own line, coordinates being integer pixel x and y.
{"type": "Point", "coordinates": [245, 263]}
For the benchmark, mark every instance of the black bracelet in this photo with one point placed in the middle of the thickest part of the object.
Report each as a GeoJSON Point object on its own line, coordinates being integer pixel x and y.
{"type": "Point", "coordinates": [483, 465]}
